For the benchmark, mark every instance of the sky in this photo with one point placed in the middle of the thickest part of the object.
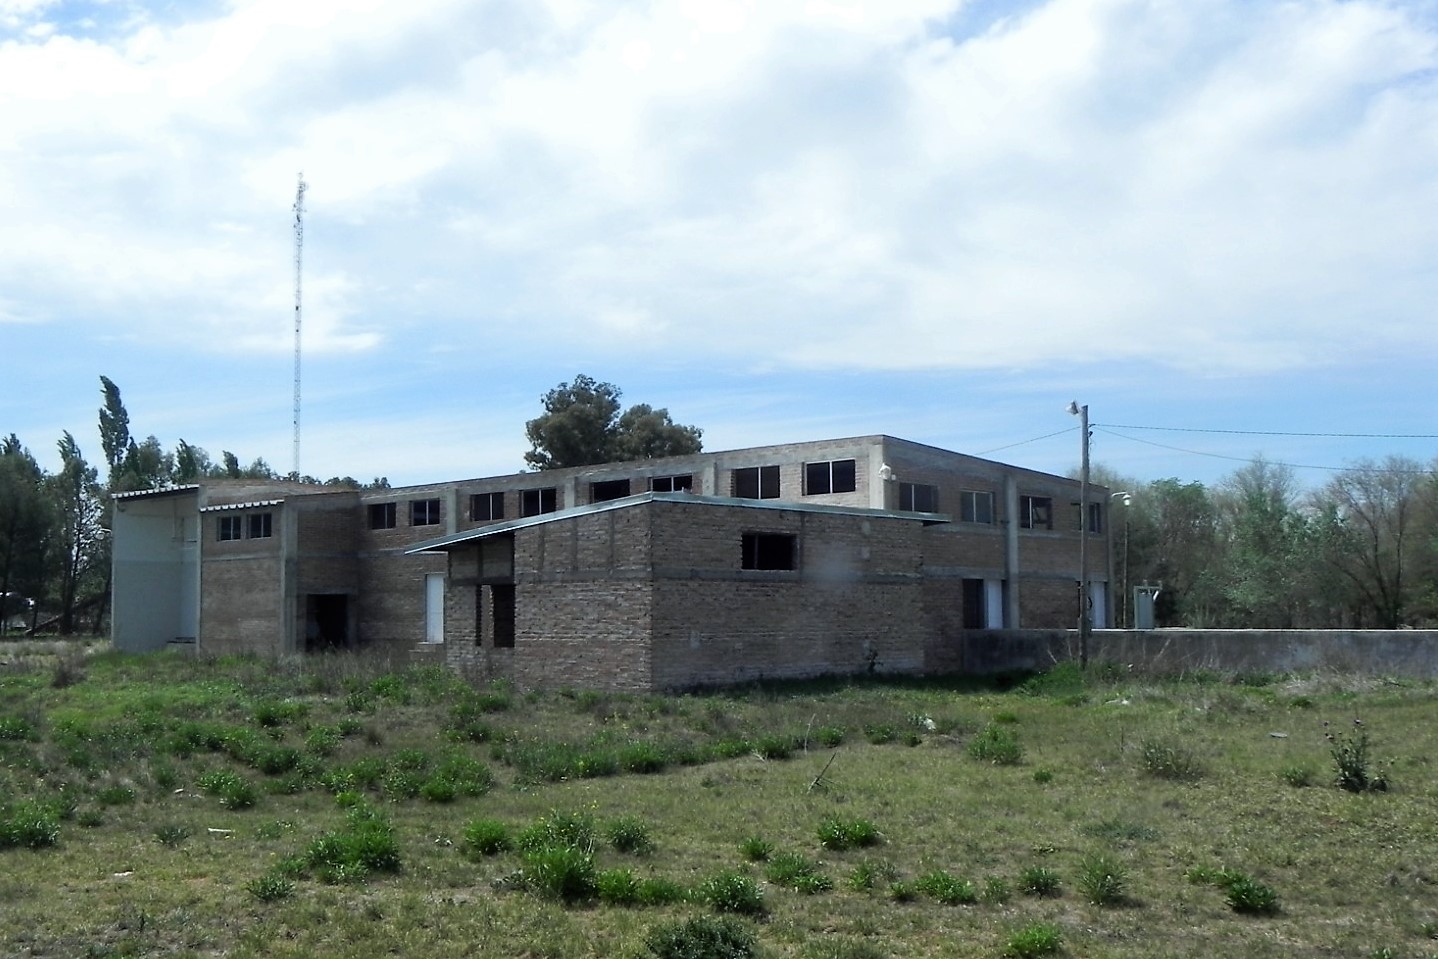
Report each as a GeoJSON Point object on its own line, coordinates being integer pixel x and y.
{"type": "Point", "coordinates": [1215, 224]}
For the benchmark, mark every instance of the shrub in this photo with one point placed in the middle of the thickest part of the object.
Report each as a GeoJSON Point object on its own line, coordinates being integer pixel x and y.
{"type": "Point", "coordinates": [880, 733]}
{"type": "Point", "coordinates": [1165, 759]}
{"type": "Point", "coordinates": [829, 736]}
{"type": "Point", "coordinates": [756, 848]}
{"type": "Point", "coordinates": [996, 890]}
{"type": "Point", "coordinates": [364, 846]}
{"type": "Point", "coordinates": [629, 834]}
{"type": "Point", "coordinates": [866, 875]}
{"type": "Point", "coordinates": [642, 758]}
{"type": "Point", "coordinates": [1248, 895]}
{"type": "Point", "coordinates": [485, 837]}
{"type": "Point", "coordinates": [774, 746]}
{"type": "Point", "coordinates": [171, 834]}
{"type": "Point", "coordinates": [839, 834]}
{"type": "Point", "coordinates": [115, 794]}
{"type": "Point", "coordinates": [797, 872]}
{"type": "Point", "coordinates": [1298, 776]}
{"type": "Point", "coordinates": [617, 887]}
{"type": "Point", "coordinates": [574, 830]}
{"type": "Point", "coordinates": [561, 872]}
{"type": "Point", "coordinates": [17, 728]}
{"type": "Point", "coordinates": [901, 891]}
{"type": "Point", "coordinates": [703, 937]}
{"type": "Point", "coordinates": [1035, 939]}
{"type": "Point", "coordinates": [946, 889]}
{"type": "Point", "coordinates": [232, 791]}
{"type": "Point", "coordinates": [270, 887]}
{"type": "Point", "coordinates": [731, 891]}
{"type": "Point", "coordinates": [656, 891]}
{"type": "Point", "coordinates": [1350, 753]}
{"type": "Point", "coordinates": [998, 745]}
{"type": "Point", "coordinates": [30, 824]}
{"type": "Point", "coordinates": [1103, 880]}
{"type": "Point", "coordinates": [1043, 776]}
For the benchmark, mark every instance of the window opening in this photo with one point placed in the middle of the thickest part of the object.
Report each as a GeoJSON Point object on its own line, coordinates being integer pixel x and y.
{"type": "Point", "coordinates": [533, 502]}
{"type": "Point", "coordinates": [259, 525]}
{"type": "Point", "coordinates": [230, 528]}
{"type": "Point", "coordinates": [757, 482]}
{"type": "Point", "coordinates": [835, 476]}
{"type": "Point", "coordinates": [382, 516]}
{"type": "Point", "coordinates": [976, 506]}
{"type": "Point", "coordinates": [1036, 512]}
{"type": "Point", "coordinates": [769, 551]}
{"type": "Point", "coordinates": [672, 484]}
{"type": "Point", "coordinates": [918, 498]}
{"type": "Point", "coordinates": [605, 490]}
{"type": "Point", "coordinates": [486, 507]}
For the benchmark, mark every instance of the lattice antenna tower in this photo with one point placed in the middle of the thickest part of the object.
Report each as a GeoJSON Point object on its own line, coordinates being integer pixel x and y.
{"type": "Point", "coordinates": [299, 273]}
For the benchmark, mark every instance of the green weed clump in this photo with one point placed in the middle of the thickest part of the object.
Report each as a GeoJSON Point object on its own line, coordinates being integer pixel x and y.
{"type": "Point", "coordinates": [171, 834]}
{"type": "Point", "coordinates": [561, 872]}
{"type": "Point", "coordinates": [1164, 758]}
{"type": "Point", "coordinates": [703, 937]}
{"type": "Point", "coordinates": [839, 834]}
{"type": "Point", "coordinates": [629, 834]}
{"type": "Point", "coordinates": [485, 837]}
{"type": "Point", "coordinates": [233, 791]}
{"type": "Point", "coordinates": [1103, 880]}
{"type": "Point", "coordinates": [30, 824]}
{"type": "Point", "coordinates": [271, 887]}
{"type": "Point", "coordinates": [1035, 939]}
{"type": "Point", "coordinates": [997, 744]}
{"type": "Point", "coordinates": [947, 889]}
{"type": "Point", "coordinates": [1242, 892]}
{"type": "Point", "coordinates": [558, 829]}
{"type": "Point", "coordinates": [365, 845]}
{"type": "Point", "coordinates": [866, 875]}
{"type": "Point", "coordinates": [829, 737]}
{"type": "Point", "coordinates": [1357, 770]}
{"type": "Point", "coordinates": [797, 872]}
{"type": "Point", "coordinates": [731, 891]}
{"type": "Point", "coordinates": [756, 848]}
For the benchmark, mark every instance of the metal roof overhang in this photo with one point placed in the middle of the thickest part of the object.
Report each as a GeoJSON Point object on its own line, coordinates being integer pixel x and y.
{"type": "Point", "coordinates": [163, 491]}
{"type": "Point", "coordinates": [445, 543]}
{"type": "Point", "coordinates": [252, 504]}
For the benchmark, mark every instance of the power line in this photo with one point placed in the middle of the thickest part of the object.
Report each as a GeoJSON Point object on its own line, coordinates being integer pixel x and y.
{"type": "Point", "coordinates": [1349, 436]}
{"type": "Point", "coordinates": [1249, 459]}
{"type": "Point", "coordinates": [1068, 429]}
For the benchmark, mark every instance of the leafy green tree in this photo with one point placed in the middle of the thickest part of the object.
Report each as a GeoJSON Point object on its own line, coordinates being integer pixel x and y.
{"type": "Point", "coordinates": [83, 545]}
{"type": "Point", "coordinates": [1260, 564]}
{"type": "Point", "coordinates": [26, 527]}
{"type": "Point", "coordinates": [114, 429]}
{"type": "Point", "coordinates": [581, 426]}
{"type": "Point", "coordinates": [1185, 527]}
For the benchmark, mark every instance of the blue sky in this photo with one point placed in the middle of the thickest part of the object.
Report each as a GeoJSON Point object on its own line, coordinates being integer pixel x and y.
{"type": "Point", "coordinates": [937, 219]}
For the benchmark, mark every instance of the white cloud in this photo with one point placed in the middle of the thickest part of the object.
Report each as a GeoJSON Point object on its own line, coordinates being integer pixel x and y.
{"type": "Point", "coordinates": [1225, 186]}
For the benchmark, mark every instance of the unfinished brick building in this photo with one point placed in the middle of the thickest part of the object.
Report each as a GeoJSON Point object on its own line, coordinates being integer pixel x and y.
{"type": "Point", "coordinates": [837, 556]}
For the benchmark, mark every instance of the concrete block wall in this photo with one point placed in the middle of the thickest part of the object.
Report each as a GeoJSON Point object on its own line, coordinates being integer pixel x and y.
{"type": "Point", "coordinates": [854, 604]}
{"type": "Point", "coordinates": [241, 590]}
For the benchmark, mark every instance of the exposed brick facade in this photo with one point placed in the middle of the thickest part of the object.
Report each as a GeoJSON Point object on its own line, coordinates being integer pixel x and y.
{"type": "Point", "coordinates": [900, 548]}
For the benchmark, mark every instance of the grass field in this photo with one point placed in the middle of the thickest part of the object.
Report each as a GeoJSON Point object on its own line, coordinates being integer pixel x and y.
{"type": "Point", "coordinates": [166, 806]}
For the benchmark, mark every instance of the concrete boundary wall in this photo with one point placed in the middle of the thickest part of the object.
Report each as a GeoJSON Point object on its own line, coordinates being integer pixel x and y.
{"type": "Point", "coordinates": [1410, 653]}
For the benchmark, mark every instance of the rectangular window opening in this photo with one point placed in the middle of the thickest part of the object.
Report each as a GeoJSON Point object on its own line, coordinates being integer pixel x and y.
{"type": "Point", "coordinates": [918, 498]}
{"type": "Point", "coordinates": [757, 482]}
{"type": "Point", "coordinates": [1036, 512]}
{"type": "Point", "coordinates": [606, 490]}
{"type": "Point", "coordinates": [258, 526]}
{"type": "Point", "coordinates": [230, 527]}
{"type": "Point", "coordinates": [976, 506]}
{"type": "Point", "coordinates": [835, 476]}
{"type": "Point", "coordinates": [382, 516]}
{"type": "Point", "coordinates": [502, 601]}
{"type": "Point", "coordinates": [424, 512]}
{"type": "Point", "coordinates": [533, 502]}
{"type": "Point", "coordinates": [486, 507]}
{"type": "Point", "coordinates": [770, 551]}
{"type": "Point", "coordinates": [671, 484]}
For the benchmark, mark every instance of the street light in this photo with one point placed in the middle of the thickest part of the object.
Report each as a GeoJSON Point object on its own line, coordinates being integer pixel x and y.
{"type": "Point", "coordinates": [1083, 599]}
{"type": "Point", "coordinates": [1123, 598]}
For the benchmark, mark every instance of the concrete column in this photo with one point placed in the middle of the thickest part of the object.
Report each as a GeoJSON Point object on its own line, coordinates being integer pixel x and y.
{"type": "Point", "coordinates": [1011, 551]}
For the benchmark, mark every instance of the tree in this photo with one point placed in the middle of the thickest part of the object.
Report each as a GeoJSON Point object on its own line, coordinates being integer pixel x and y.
{"type": "Point", "coordinates": [1370, 519]}
{"type": "Point", "coordinates": [1261, 566]}
{"type": "Point", "coordinates": [582, 426]}
{"type": "Point", "coordinates": [83, 544]}
{"type": "Point", "coordinates": [114, 429]}
{"type": "Point", "coordinates": [26, 525]}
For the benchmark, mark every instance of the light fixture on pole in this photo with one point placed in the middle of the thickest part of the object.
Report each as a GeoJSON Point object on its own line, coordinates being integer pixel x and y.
{"type": "Point", "coordinates": [1123, 597]}
{"type": "Point", "coordinates": [1084, 620]}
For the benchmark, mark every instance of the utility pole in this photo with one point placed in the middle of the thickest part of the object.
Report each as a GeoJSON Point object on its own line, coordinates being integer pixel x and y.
{"type": "Point", "coordinates": [299, 263]}
{"type": "Point", "coordinates": [1085, 622]}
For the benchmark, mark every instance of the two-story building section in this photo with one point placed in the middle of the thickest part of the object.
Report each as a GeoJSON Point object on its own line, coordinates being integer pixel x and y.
{"type": "Point", "coordinates": [836, 556]}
